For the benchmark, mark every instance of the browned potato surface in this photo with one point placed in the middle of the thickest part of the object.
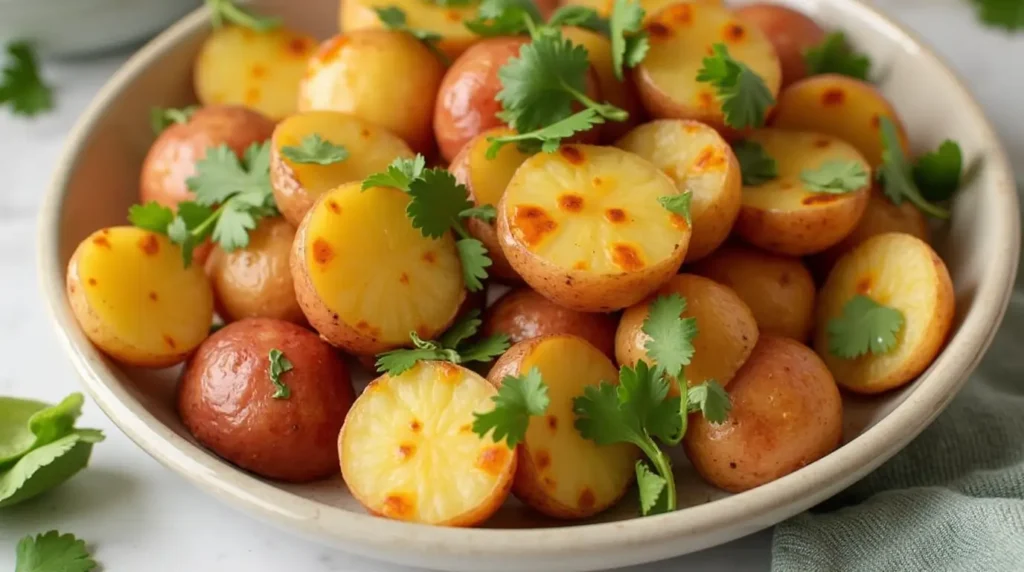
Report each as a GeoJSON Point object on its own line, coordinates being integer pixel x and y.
{"type": "Point", "coordinates": [790, 31]}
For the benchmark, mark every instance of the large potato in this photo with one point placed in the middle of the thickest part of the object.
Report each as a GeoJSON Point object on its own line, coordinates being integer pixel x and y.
{"type": "Point", "coordinates": [226, 399]}
{"type": "Point", "coordinates": [523, 314]}
{"type": "Point", "coordinates": [408, 451]}
{"type": "Point", "coordinates": [790, 31]}
{"type": "Point", "coordinates": [297, 185]}
{"type": "Point", "coordinates": [698, 160]}
{"type": "Point", "coordinates": [260, 70]}
{"type": "Point", "coordinates": [560, 473]}
{"type": "Point", "coordinates": [134, 299]}
{"type": "Point", "coordinates": [786, 414]}
{"type": "Point", "coordinates": [785, 215]}
{"type": "Point", "coordinates": [365, 277]}
{"type": "Point", "coordinates": [727, 330]}
{"type": "Point", "coordinates": [779, 290]}
{"type": "Point", "coordinates": [584, 226]}
{"type": "Point", "coordinates": [901, 272]}
{"type": "Point", "coordinates": [384, 77]}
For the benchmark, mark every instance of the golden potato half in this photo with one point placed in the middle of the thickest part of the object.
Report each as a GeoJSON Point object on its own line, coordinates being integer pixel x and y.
{"type": "Point", "coordinates": [902, 272]}
{"type": "Point", "coordinates": [785, 215]}
{"type": "Point", "coordinates": [365, 277]}
{"type": "Point", "coordinates": [560, 473]}
{"type": "Point", "coordinates": [297, 185]}
{"type": "Point", "coordinates": [697, 160]}
{"type": "Point", "coordinates": [584, 227]}
{"type": "Point", "coordinates": [426, 16]}
{"type": "Point", "coordinates": [408, 451]}
{"type": "Point", "coordinates": [134, 298]}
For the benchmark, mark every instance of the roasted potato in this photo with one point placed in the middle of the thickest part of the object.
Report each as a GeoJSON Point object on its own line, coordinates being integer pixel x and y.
{"type": "Point", "coordinates": [585, 227]}
{"type": "Point", "coordinates": [840, 106]}
{"type": "Point", "coordinates": [559, 473]}
{"type": "Point", "coordinates": [523, 314]}
{"type": "Point", "coordinates": [698, 160]}
{"type": "Point", "coordinates": [133, 297]}
{"type": "Point", "coordinates": [787, 216]}
{"type": "Point", "coordinates": [779, 290]}
{"type": "Point", "coordinates": [604, 7]}
{"type": "Point", "coordinates": [902, 272]}
{"type": "Point", "coordinates": [285, 429]}
{"type": "Point", "coordinates": [786, 414]}
{"type": "Point", "coordinates": [408, 451]}
{"type": "Point", "coordinates": [365, 278]}
{"type": "Point", "coordinates": [297, 185]}
{"type": "Point", "coordinates": [681, 36]}
{"type": "Point", "coordinates": [727, 330]}
{"type": "Point", "coordinates": [388, 78]}
{"type": "Point", "coordinates": [171, 161]}
{"type": "Point", "coordinates": [790, 31]}
{"type": "Point", "coordinates": [621, 94]}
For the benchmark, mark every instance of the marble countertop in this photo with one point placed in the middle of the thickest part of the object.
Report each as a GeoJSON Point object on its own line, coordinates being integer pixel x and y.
{"type": "Point", "coordinates": [138, 516]}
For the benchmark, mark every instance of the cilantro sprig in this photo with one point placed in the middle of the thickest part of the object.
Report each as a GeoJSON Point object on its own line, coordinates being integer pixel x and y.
{"type": "Point", "coordinates": [629, 41]}
{"type": "Point", "coordinates": [896, 174]}
{"type": "Point", "coordinates": [21, 85]}
{"type": "Point", "coordinates": [1005, 14]}
{"type": "Point", "coordinates": [863, 327]}
{"type": "Point", "coordinates": [53, 552]}
{"type": "Point", "coordinates": [744, 97]}
{"type": "Point", "coordinates": [518, 399]}
{"type": "Point", "coordinates": [455, 345]}
{"type": "Point", "coordinates": [836, 177]}
{"type": "Point", "coordinates": [937, 173]}
{"type": "Point", "coordinates": [279, 365]}
{"type": "Point", "coordinates": [547, 139]}
{"type": "Point", "coordinates": [394, 18]}
{"type": "Point", "coordinates": [581, 17]}
{"type": "Point", "coordinates": [226, 11]}
{"type": "Point", "coordinates": [505, 18]}
{"type": "Point", "coordinates": [161, 118]}
{"type": "Point", "coordinates": [756, 165]}
{"type": "Point", "coordinates": [678, 204]}
{"type": "Point", "coordinates": [314, 149]}
{"type": "Point", "coordinates": [834, 55]}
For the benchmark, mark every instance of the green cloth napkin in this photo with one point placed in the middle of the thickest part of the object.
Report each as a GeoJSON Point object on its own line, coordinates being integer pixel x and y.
{"type": "Point", "coordinates": [952, 500]}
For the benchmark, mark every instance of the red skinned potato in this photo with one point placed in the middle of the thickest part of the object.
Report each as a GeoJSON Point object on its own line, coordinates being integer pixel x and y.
{"type": "Point", "coordinates": [226, 400]}
{"type": "Point", "coordinates": [790, 31]}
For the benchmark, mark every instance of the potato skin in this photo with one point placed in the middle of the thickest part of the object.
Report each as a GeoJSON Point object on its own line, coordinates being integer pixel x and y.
{"type": "Point", "coordinates": [790, 31]}
{"type": "Point", "coordinates": [225, 400]}
{"type": "Point", "coordinates": [172, 158]}
{"type": "Point", "coordinates": [523, 314]}
{"type": "Point", "coordinates": [786, 413]}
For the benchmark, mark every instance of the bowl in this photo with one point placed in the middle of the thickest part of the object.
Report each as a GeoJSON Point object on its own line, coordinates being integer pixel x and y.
{"type": "Point", "coordinates": [97, 180]}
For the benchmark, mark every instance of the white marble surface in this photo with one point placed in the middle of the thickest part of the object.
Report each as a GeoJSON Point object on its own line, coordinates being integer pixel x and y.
{"type": "Point", "coordinates": [138, 516]}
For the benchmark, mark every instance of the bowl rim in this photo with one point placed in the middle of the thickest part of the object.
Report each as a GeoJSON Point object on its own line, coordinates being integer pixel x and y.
{"type": "Point", "coordinates": [368, 534]}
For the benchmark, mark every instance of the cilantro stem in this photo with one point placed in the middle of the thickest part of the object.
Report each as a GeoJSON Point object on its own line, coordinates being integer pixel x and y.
{"type": "Point", "coordinates": [664, 468]}
{"type": "Point", "coordinates": [531, 27]}
{"type": "Point", "coordinates": [606, 110]}
{"type": "Point", "coordinates": [914, 196]}
{"type": "Point", "coordinates": [460, 229]}
{"type": "Point", "coordinates": [200, 230]}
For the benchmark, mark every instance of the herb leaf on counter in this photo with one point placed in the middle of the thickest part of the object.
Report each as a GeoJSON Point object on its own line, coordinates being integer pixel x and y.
{"type": "Point", "coordinates": [834, 55]}
{"type": "Point", "coordinates": [21, 85]}
{"type": "Point", "coordinates": [744, 97]}
{"type": "Point", "coordinates": [314, 149]}
{"type": "Point", "coordinates": [517, 400]}
{"type": "Point", "coordinates": [53, 552]}
{"type": "Point", "coordinates": [1005, 14]}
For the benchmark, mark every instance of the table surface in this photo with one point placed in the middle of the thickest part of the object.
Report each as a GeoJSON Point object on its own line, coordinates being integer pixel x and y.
{"type": "Point", "coordinates": [137, 515]}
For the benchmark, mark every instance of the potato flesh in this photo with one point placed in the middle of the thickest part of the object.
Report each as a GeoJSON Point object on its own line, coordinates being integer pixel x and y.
{"type": "Point", "coordinates": [489, 177]}
{"type": "Point", "coordinates": [375, 271]}
{"type": "Point", "coordinates": [408, 451]}
{"type": "Point", "coordinates": [260, 70]}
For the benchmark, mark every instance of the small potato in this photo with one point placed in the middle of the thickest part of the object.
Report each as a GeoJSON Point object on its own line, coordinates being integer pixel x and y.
{"type": "Point", "coordinates": [727, 330]}
{"type": "Point", "coordinates": [171, 161]}
{"type": "Point", "coordinates": [779, 290]}
{"type": "Point", "coordinates": [255, 281]}
{"type": "Point", "coordinates": [604, 7]}
{"type": "Point", "coordinates": [384, 77]}
{"type": "Point", "coordinates": [585, 228]}
{"type": "Point", "coordinates": [408, 451]}
{"type": "Point", "coordinates": [133, 297]}
{"type": "Point", "coordinates": [790, 31]}
{"type": "Point", "coordinates": [681, 36]}
{"type": "Point", "coordinates": [621, 94]}
{"type": "Point", "coordinates": [297, 185]}
{"type": "Point", "coordinates": [260, 70]}
{"type": "Point", "coordinates": [698, 160]}
{"type": "Point", "coordinates": [902, 272]}
{"type": "Point", "coordinates": [523, 314]}
{"type": "Point", "coordinates": [840, 106]}
{"type": "Point", "coordinates": [365, 277]}
{"type": "Point", "coordinates": [226, 400]}
{"type": "Point", "coordinates": [786, 414]}
{"type": "Point", "coordinates": [784, 215]}
{"type": "Point", "coordinates": [559, 473]}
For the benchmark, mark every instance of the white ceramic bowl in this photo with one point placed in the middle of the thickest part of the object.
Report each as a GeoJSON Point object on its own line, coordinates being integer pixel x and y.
{"type": "Point", "coordinates": [97, 180]}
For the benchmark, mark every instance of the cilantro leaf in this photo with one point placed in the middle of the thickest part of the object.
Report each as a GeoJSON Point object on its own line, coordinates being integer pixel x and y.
{"type": "Point", "coordinates": [864, 326]}
{"type": "Point", "coordinates": [233, 225]}
{"type": "Point", "coordinates": [539, 85]}
{"type": "Point", "coordinates": [600, 419]}
{"type": "Point", "coordinates": [313, 149]}
{"type": "Point", "coordinates": [464, 328]}
{"type": "Point", "coordinates": [643, 394]}
{"type": "Point", "coordinates": [53, 552]}
{"type": "Point", "coordinates": [836, 177]}
{"type": "Point", "coordinates": [452, 347]}
{"type": "Point", "coordinates": [756, 165]}
{"type": "Point", "coordinates": [1005, 14]}
{"type": "Point", "coordinates": [678, 204]}
{"type": "Point", "coordinates": [48, 466]}
{"type": "Point", "coordinates": [548, 138]}
{"type": "Point", "coordinates": [396, 362]}
{"type": "Point", "coordinates": [162, 118]}
{"type": "Point", "coordinates": [437, 201]}
{"type": "Point", "coordinates": [219, 174]}
{"type": "Point", "coordinates": [393, 18]}
{"type": "Point", "coordinates": [671, 336]}
{"type": "Point", "coordinates": [629, 42]}
{"type": "Point", "coordinates": [453, 3]}
{"type": "Point", "coordinates": [650, 486]}
{"type": "Point", "coordinates": [278, 366]}
{"type": "Point", "coordinates": [711, 399]}
{"type": "Point", "coordinates": [504, 18]}
{"type": "Point", "coordinates": [152, 216]}
{"type": "Point", "coordinates": [742, 93]}
{"type": "Point", "coordinates": [475, 261]}
{"type": "Point", "coordinates": [484, 350]}
{"type": "Point", "coordinates": [581, 17]}
{"type": "Point", "coordinates": [518, 399]}
{"type": "Point", "coordinates": [834, 55]}
{"type": "Point", "coordinates": [486, 213]}
{"type": "Point", "coordinates": [399, 174]}
{"type": "Point", "coordinates": [896, 174]}
{"type": "Point", "coordinates": [222, 11]}
{"type": "Point", "coordinates": [21, 85]}
{"type": "Point", "coordinates": [937, 174]}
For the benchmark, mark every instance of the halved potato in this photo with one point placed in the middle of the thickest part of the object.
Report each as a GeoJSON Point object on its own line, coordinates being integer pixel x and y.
{"type": "Point", "coordinates": [651, 7]}
{"type": "Point", "coordinates": [681, 36]}
{"type": "Point", "coordinates": [784, 215]}
{"type": "Point", "coordinates": [384, 77]}
{"type": "Point", "coordinates": [840, 106]}
{"type": "Point", "coordinates": [365, 277]}
{"type": "Point", "coordinates": [559, 473]}
{"type": "Point", "coordinates": [297, 185]}
{"type": "Point", "coordinates": [260, 70]}
{"type": "Point", "coordinates": [902, 272]}
{"type": "Point", "coordinates": [778, 290]}
{"type": "Point", "coordinates": [790, 31]}
{"type": "Point", "coordinates": [698, 160]}
{"type": "Point", "coordinates": [134, 298]}
{"type": "Point", "coordinates": [727, 330]}
{"type": "Point", "coordinates": [584, 227]}
{"type": "Point", "coordinates": [408, 451]}
{"type": "Point", "coordinates": [621, 94]}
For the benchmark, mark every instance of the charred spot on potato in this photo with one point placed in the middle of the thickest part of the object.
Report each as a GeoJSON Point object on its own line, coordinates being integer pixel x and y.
{"type": "Point", "coordinates": [552, 422]}
{"type": "Point", "coordinates": [467, 428]}
{"type": "Point", "coordinates": [252, 96]}
{"type": "Point", "coordinates": [678, 221]}
{"type": "Point", "coordinates": [581, 265]}
{"type": "Point", "coordinates": [784, 279]}
{"type": "Point", "coordinates": [876, 121]}
{"type": "Point", "coordinates": [397, 505]}
{"type": "Point", "coordinates": [429, 257]}
{"type": "Point", "coordinates": [864, 285]}
{"type": "Point", "coordinates": [448, 372]}
{"type": "Point", "coordinates": [101, 242]}
{"type": "Point", "coordinates": [406, 450]}
{"type": "Point", "coordinates": [532, 224]}
{"type": "Point", "coordinates": [734, 33]}
{"type": "Point", "coordinates": [822, 143]}
{"type": "Point", "coordinates": [416, 426]}
{"type": "Point", "coordinates": [732, 465]}
{"type": "Point", "coordinates": [149, 245]}
{"type": "Point", "coordinates": [570, 202]}
{"type": "Point", "coordinates": [333, 206]}
{"type": "Point", "coordinates": [453, 16]}
{"type": "Point", "coordinates": [679, 14]}
{"type": "Point", "coordinates": [831, 97]}
{"type": "Point", "coordinates": [549, 483]}
{"type": "Point", "coordinates": [820, 199]}
{"type": "Point", "coordinates": [364, 133]}
{"type": "Point", "coordinates": [658, 31]}
{"type": "Point", "coordinates": [257, 71]}
{"type": "Point", "coordinates": [493, 460]}
{"type": "Point", "coordinates": [615, 215]}
{"type": "Point", "coordinates": [301, 46]}
{"type": "Point", "coordinates": [627, 257]}
{"type": "Point", "coordinates": [91, 281]}
{"type": "Point", "coordinates": [586, 499]}
{"type": "Point", "coordinates": [706, 99]}
{"type": "Point", "coordinates": [322, 252]}
{"type": "Point", "coordinates": [709, 158]}
{"type": "Point", "coordinates": [571, 154]}
{"type": "Point", "coordinates": [542, 459]}
{"type": "Point", "coordinates": [170, 342]}
{"type": "Point", "coordinates": [404, 278]}
{"type": "Point", "coordinates": [153, 296]}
